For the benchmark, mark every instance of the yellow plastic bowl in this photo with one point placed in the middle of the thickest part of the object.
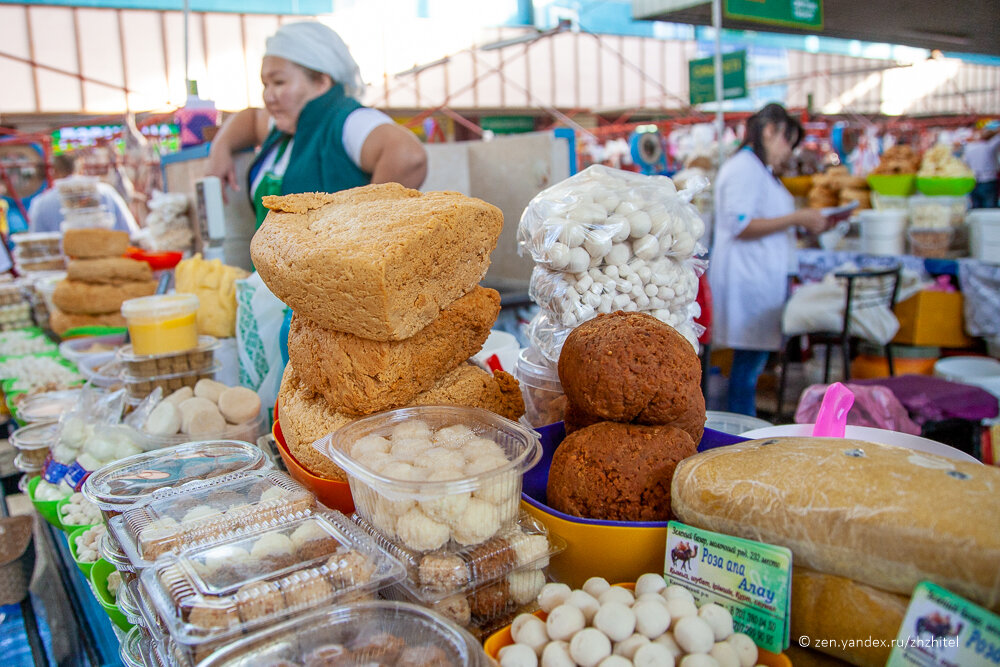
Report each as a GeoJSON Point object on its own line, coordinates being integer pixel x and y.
{"type": "Point", "coordinates": [798, 185]}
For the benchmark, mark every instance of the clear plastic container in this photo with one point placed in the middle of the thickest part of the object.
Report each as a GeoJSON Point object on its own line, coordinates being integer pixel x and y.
{"type": "Point", "coordinates": [35, 244]}
{"type": "Point", "coordinates": [26, 465]}
{"type": "Point", "coordinates": [48, 406]}
{"type": "Point", "coordinates": [130, 650]}
{"type": "Point", "coordinates": [140, 366]}
{"type": "Point", "coordinates": [733, 423]}
{"type": "Point", "coordinates": [33, 441]}
{"type": "Point", "coordinates": [887, 202]}
{"type": "Point", "coordinates": [12, 293]}
{"type": "Point", "coordinates": [75, 349]}
{"type": "Point", "coordinates": [461, 488]}
{"type": "Point", "coordinates": [87, 218]}
{"type": "Point", "coordinates": [127, 603]}
{"type": "Point", "coordinates": [111, 552]}
{"type": "Point", "coordinates": [139, 388]}
{"type": "Point", "coordinates": [544, 400]}
{"type": "Point", "coordinates": [247, 432]}
{"type": "Point", "coordinates": [133, 480]}
{"type": "Point", "coordinates": [174, 520]}
{"type": "Point", "coordinates": [431, 577]}
{"type": "Point", "coordinates": [934, 242]}
{"type": "Point", "coordinates": [365, 633]}
{"type": "Point", "coordinates": [937, 212]}
{"type": "Point", "coordinates": [162, 324]}
{"type": "Point", "coordinates": [208, 595]}
{"type": "Point", "coordinates": [51, 263]}
{"type": "Point", "coordinates": [78, 192]}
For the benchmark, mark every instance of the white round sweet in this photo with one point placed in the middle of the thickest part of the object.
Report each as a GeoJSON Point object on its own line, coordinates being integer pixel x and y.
{"type": "Point", "coordinates": [518, 655]}
{"type": "Point", "coordinates": [420, 532]}
{"type": "Point", "coordinates": [725, 655]}
{"type": "Point", "coordinates": [480, 448]}
{"type": "Point", "coordinates": [530, 632]}
{"type": "Point", "coordinates": [565, 621]}
{"type": "Point", "coordinates": [411, 428]}
{"type": "Point", "coordinates": [626, 208]}
{"type": "Point", "coordinates": [639, 224]}
{"type": "Point", "coordinates": [618, 255]}
{"type": "Point", "coordinates": [439, 457]}
{"type": "Point", "coordinates": [694, 635]}
{"type": "Point", "coordinates": [585, 602]}
{"type": "Point", "coordinates": [584, 283]}
{"type": "Point", "coordinates": [403, 470]}
{"type": "Point", "coordinates": [479, 522]}
{"type": "Point", "coordinates": [627, 647]}
{"type": "Point", "coordinates": [653, 655]}
{"type": "Point", "coordinates": [572, 234]}
{"type": "Point", "coordinates": [647, 247]}
{"type": "Point", "coordinates": [617, 594]}
{"type": "Point", "coordinates": [588, 647]}
{"type": "Point", "coordinates": [598, 245]}
{"type": "Point", "coordinates": [595, 586]}
{"type": "Point", "coordinates": [553, 595]}
{"type": "Point", "coordinates": [746, 649]}
{"type": "Point", "coordinates": [520, 621]}
{"type": "Point", "coordinates": [615, 661]}
{"type": "Point", "coordinates": [579, 259]}
{"type": "Point", "coordinates": [524, 585]}
{"type": "Point", "coordinates": [718, 618]}
{"type": "Point", "coordinates": [453, 436]}
{"type": "Point", "coordinates": [620, 227]}
{"type": "Point", "coordinates": [447, 508]}
{"type": "Point", "coordinates": [499, 489]}
{"type": "Point", "coordinates": [651, 618]}
{"type": "Point", "coordinates": [476, 465]}
{"type": "Point", "coordinates": [667, 639]}
{"type": "Point", "coordinates": [556, 654]}
{"type": "Point", "coordinates": [558, 255]}
{"type": "Point", "coordinates": [698, 660]}
{"type": "Point", "coordinates": [675, 591]}
{"type": "Point", "coordinates": [615, 620]}
{"type": "Point", "coordinates": [369, 444]}
{"type": "Point", "coordinates": [655, 597]}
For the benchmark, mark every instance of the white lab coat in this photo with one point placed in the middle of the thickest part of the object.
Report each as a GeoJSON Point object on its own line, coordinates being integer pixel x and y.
{"type": "Point", "coordinates": [749, 278]}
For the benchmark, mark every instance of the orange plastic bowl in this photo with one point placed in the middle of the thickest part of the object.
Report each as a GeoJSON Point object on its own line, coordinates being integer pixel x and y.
{"type": "Point", "coordinates": [333, 494]}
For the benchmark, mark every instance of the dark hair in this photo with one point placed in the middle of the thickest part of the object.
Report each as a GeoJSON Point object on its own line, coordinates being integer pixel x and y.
{"type": "Point", "coordinates": [772, 114]}
{"type": "Point", "coordinates": [314, 75]}
{"type": "Point", "coordinates": [64, 164]}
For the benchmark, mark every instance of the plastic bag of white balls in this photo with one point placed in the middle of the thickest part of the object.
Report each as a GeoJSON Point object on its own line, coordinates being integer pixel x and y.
{"type": "Point", "coordinates": [605, 216]}
{"type": "Point", "coordinates": [548, 334]}
{"type": "Point", "coordinates": [609, 626]}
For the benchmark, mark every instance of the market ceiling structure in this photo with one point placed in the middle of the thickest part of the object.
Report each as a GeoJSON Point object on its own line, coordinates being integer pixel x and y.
{"type": "Point", "coordinates": [966, 27]}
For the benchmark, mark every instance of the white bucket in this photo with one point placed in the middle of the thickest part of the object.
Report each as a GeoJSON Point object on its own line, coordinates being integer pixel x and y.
{"type": "Point", "coordinates": [504, 346]}
{"type": "Point", "coordinates": [882, 231]}
{"type": "Point", "coordinates": [984, 234]}
{"type": "Point", "coordinates": [883, 246]}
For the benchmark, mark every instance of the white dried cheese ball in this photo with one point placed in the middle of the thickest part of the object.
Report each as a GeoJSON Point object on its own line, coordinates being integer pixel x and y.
{"type": "Point", "coordinates": [558, 254]}
{"type": "Point", "coordinates": [615, 661]}
{"type": "Point", "coordinates": [667, 640]}
{"type": "Point", "coordinates": [746, 649]}
{"type": "Point", "coordinates": [517, 655]}
{"type": "Point", "coordinates": [651, 618]}
{"type": "Point", "coordinates": [479, 522]}
{"type": "Point", "coordinates": [369, 444]}
{"type": "Point", "coordinates": [718, 618]}
{"type": "Point", "coordinates": [649, 583]}
{"type": "Point", "coordinates": [595, 586]}
{"type": "Point", "coordinates": [725, 654]}
{"type": "Point", "coordinates": [617, 594]}
{"type": "Point", "coordinates": [420, 532]}
{"type": "Point", "coordinates": [653, 655]}
{"type": "Point", "coordinates": [524, 586]}
{"type": "Point", "coordinates": [630, 645]}
{"type": "Point", "coordinates": [615, 620]}
{"type": "Point", "coordinates": [553, 595]}
{"type": "Point", "coordinates": [454, 436]}
{"type": "Point", "coordinates": [585, 602]}
{"type": "Point", "coordinates": [556, 654]}
{"type": "Point", "coordinates": [698, 660]}
{"type": "Point", "coordinates": [680, 608]}
{"type": "Point", "coordinates": [655, 597]}
{"type": "Point", "coordinates": [694, 635]}
{"type": "Point", "coordinates": [530, 632]}
{"type": "Point", "coordinates": [588, 647]}
{"type": "Point", "coordinates": [564, 621]}
{"type": "Point", "coordinates": [579, 259]}
{"type": "Point", "coordinates": [411, 428]}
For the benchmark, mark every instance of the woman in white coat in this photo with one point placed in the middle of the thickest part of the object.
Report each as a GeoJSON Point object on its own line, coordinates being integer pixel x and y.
{"type": "Point", "coordinates": [753, 250]}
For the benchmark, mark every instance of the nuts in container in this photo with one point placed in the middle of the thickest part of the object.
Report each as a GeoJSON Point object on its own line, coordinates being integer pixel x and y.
{"type": "Point", "coordinates": [544, 399]}
{"type": "Point", "coordinates": [431, 476]}
{"type": "Point", "coordinates": [139, 366]}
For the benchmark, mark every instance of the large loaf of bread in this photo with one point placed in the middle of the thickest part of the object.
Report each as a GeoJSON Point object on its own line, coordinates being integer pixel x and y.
{"type": "Point", "coordinates": [78, 298]}
{"type": "Point", "coordinates": [828, 607]}
{"type": "Point", "coordinates": [94, 242]}
{"type": "Point", "coordinates": [61, 322]}
{"type": "Point", "coordinates": [109, 270]}
{"type": "Point", "coordinates": [361, 376]}
{"type": "Point", "coordinates": [884, 516]}
{"type": "Point", "coordinates": [380, 261]}
{"type": "Point", "coordinates": [306, 416]}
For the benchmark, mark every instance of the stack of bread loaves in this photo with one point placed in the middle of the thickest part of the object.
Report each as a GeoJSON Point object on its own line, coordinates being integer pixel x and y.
{"type": "Point", "coordinates": [98, 280]}
{"type": "Point", "coordinates": [383, 283]}
{"type": "Point", "coordinates": [634, 410]}
{"type": "Point", "coordinates": [865, 523]}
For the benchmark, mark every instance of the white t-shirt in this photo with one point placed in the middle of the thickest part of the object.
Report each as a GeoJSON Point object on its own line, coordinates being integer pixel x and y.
{"type": "Point", "coordinates": [358, 125]}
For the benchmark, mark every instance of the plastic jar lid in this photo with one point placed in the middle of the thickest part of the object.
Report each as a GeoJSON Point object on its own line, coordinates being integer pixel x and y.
{"type": "Point", "coordinates": [48, 406]}
{"type": "Point", "coordinates": [535, 370]}
{"type": "Point", "coordinates": [160, 306]}
{"type": "Point", "coordinates": [35, 436]}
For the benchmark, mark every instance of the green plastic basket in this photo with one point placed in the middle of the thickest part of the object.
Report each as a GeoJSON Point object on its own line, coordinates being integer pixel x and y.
{"type": "Point", "coordinates": [68, 527]}
{"type": "Point", "coordinates": [895, 185]}
{"type": "Point", "coordinates": [952, 187]}
{"type": "Point", "coordinates": [80, 332]}
{"type": "Point", "coordinates": [47, 508]}
{"type": "Point", "coordinates": [71, 538]}
{"type": "Point", "coordinates": [99, 580]}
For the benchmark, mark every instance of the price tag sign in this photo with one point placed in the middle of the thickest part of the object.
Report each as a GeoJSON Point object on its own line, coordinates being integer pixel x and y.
{"type": "Point", "coordinates": [751, 579]}
{"type": "Point", "coordinates": [942, 629]}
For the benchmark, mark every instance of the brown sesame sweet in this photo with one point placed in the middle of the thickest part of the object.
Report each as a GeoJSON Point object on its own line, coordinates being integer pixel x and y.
{"type": "Point", "coordinates": [258, 600]}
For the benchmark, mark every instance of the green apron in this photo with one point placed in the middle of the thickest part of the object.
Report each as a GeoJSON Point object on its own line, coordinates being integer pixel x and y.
{"type": "Point", "coordinates": [270, 184]}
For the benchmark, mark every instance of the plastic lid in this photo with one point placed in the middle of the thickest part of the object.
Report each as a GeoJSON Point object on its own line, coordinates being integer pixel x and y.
{"type": "Point", "coordinates": [29, 237]}
{"type": "Point", "coordinates": [132, 379]}
{"type": "Point", "coordinates": [378, 632]}
{"type": "Point", "coordinates": [264, 574]}
{"type": "Point", "coordinates": [127, 353]}
{"type": "Point", "coordinates": [48, 406]}
{"type": "Point", "coordinates": [110, 552]}
{"type": "Point", "coordinates": [134, 479]}
{"type": "Point", "coordinates": [179, 518]}
{"type": "Point", "coordinates": [126, 603]}
{"type": "Point", "coordinates": [130, 649]}
{"type": "Point", "coordinates": [22, 464]}
{"type": "Point", "coordinates": [160, 306]}
{"type": "Point", "coordinates": [35, 436]}
{"type": "Point", "coordinates": [75, 348]}
{"type": "Point", "coordinates": [535, 370]}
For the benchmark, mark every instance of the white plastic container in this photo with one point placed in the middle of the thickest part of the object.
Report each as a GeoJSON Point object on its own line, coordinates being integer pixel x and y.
{"type": "Point", "coordinates": [733, 423]}
{"type": "Point", "coordinates": [504, 346]}
{"type": "Point", "coordinates": [544, 399]}
{"type": "Point", "coordinates": [883, 232]}
{"type": "Point", "coordinates": [984, 234]}
{"type": "Point", "coordinates": [983, 372]}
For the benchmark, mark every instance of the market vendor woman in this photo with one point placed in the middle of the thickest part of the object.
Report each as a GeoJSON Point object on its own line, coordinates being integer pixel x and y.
{"type": "Point", "coordinates": [314, 136]}
{"type": "Point", "coordinates": [753, 250]}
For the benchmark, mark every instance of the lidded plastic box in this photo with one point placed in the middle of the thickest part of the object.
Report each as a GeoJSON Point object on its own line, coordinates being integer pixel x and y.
{"type": "Point", "coordinates": [133, 480]}
{"type": "Point", "coordinates": [212, 593]}
{"type": "Point", "coordinates": [141, 366]}
{"type": "Point", "coordinates": [33, 441]}
{"type": "Point", "coordinates": [137, 389]}
{"type": "Point", "coordinates": [162, 324]}
{"type": "Point", "coordinates": [176, 519]}
{"type": "Point", "coordinates": [48, 406]}
{"type": "Point", "coordinates": [130, 650]}
{"type": "Point", "coordinates": [429, 476]}
{"type": "Point", "coordinates": [360, 633]}
{"type": "Point", "coordinates": [75, 349]}
{"type": "Point", "coordinates": [127, 603]}
{"type": "Point", "coordinates": [544, 399]}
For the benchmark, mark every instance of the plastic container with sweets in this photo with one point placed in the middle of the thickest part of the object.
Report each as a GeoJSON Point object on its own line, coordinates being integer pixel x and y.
{"type": "Point", "coordinates": [143, 366]}
{"type": "Point", "coordinates": [431, 577]}
{"type": "Point", "coordinates": [15, 316]}
{"type": "Point", "coordinates": [428, 477]}
{"type": "Point", "coordinates": [162, 324]}
{"type": "Point", "coordinates": [75, 349]}
{"type": "Point", "coordinates": [34, 244]}
{"type": "Point", "coordinates": [46, 508]}
{"type": "Point", "coordinates": [937, 212]}
{"type": "Point", "coordinates": [177, 519]}
{"type": "Point", "coordinates": [359, 633]}
{"type": "Point", "coordinates": [131, 650]}
{"type": "Point", "coordinates": [110, 552]}
{"type": "Point", "coordinates": [47, 406]}
{"type": "Point", "coordinates": [22, 464]}
{"type": "Point", "coordinates": [137, 389]}
{"type": "Point", "coordinates": [544, 400]}
{"type": "Point", "coordinates": [33, 441]}
{"type": "Point", "coordinates": [68, 527]}
{"type": "Point", "coordinates": [929, 242]}
{"type": "Point", "coordinates": [212, 593]}
{"type": "Point", "coordinates": [128, 603]}
{"type": "Point", "coordinates": [132, 481]}
{"type": "Point", "coordinates": [101, 370]}
{"type": "Point", "coordinates": [12, 292]}
{"type": "Point", "coordinates": [247, 432]}
{"type": "Point", "coordinates": [100, 582]}
{"type": "Point", "coordinates": [49, 263]}
{"type": "Point", "coordinates": [87, 218]}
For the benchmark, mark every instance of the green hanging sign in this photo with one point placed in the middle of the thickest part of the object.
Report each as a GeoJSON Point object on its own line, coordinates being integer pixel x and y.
{"type": "Point", "coordinates": [801, 14]}
{"type": "Point", "coordinates": [701, 77]}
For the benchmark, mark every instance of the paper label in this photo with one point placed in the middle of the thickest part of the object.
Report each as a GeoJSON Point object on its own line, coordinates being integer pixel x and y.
{"type": "Point", "coordinates": [943, 629]}
{"type": "Point", "coordinates": [751, 579]}
{"type": "Point", "coordinates": [76, 475]}
{"type": "Point", "coordinates": [53, 471]}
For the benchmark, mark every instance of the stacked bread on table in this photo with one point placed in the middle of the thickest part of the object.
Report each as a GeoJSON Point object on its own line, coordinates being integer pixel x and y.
{"type": "Point", "coordinates": [865, 523]}
{"type": "Point", "coordinates": [383, 282]}
{"type": "Point", "coordinates": [634, 410]}
{"type": "Point", "coordinates": [98, 280]}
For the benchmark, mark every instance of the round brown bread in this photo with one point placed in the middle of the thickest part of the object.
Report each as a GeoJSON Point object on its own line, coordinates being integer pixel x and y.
{"type": "Point", "coordinates": [617, 472]}
{"type": "Point", "coordinates": [631, 367]}
{"type": "Point", "coordinates": [574, 418]}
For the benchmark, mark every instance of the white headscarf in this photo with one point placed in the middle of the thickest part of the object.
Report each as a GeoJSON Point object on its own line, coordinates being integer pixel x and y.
{"type": "Point", "coordinates": [313, 45]}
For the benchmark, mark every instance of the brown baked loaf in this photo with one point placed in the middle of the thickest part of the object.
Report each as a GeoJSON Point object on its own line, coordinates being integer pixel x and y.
{"type": "Point", "coordinates": [93, 243]}
{"type": "Point", "coordinates": [884, 516]}
{"type": "Point", "coordinates": [75, 297]}
{"type": "Point", "coordinates": [825, 606]}
{"type": "Point", "coordinates": [631, 367]}
{"type": "Point", "coordinates": [380, 261]}
{"type": "Point", "coordinates": [361, 376]}
{"type": "Point", "coordinates": [61, 322]}
{"type": "Point", "coordinates": [109, 270]}
{"type": "Point", "coordinates": [306, 417]}
{"type": "Point", "coordinates": [618, 472]}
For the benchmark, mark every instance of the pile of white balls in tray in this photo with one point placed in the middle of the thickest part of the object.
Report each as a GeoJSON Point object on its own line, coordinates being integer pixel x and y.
{"type": "Point", "coordinates": [86, 544]}
{"type": "Point", "coordinates": [610, 626]}
{"type": "Point", "coordinates": [80, 512]}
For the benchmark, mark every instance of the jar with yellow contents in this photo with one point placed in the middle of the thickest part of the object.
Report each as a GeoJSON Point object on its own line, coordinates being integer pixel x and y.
{"type": "Point", "coordinates": [162, 324]}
